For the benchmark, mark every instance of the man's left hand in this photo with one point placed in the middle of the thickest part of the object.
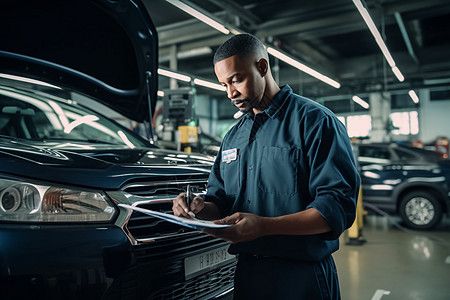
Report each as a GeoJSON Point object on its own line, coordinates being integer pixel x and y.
{"type": "Point", "coordinates": [246, 227]}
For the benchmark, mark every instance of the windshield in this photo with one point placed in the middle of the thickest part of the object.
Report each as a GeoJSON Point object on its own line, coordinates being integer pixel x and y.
{"type": "Point", "coordinates": [40, 117]}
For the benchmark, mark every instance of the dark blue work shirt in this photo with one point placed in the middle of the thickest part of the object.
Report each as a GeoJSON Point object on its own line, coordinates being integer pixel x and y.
{"type": "Point", "coordinates": [293, 156]}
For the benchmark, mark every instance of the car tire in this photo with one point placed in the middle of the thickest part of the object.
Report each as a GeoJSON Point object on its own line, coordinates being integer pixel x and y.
{"type": "Point", "coordinates": [420, 210]}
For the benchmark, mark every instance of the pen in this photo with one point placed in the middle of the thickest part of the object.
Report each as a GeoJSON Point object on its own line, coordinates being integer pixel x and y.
{"type": "Point", "coordinates": [188, 200]}
{"type": "Point", "coordinates": [188, 196]}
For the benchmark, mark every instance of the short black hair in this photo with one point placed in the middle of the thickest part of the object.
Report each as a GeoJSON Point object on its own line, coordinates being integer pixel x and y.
{"type": "Point", "coordinates": [241, 44]}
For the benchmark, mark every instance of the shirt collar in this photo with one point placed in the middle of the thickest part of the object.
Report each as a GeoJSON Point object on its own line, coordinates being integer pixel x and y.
{"type": "Point", "coordinates": [276, 103]}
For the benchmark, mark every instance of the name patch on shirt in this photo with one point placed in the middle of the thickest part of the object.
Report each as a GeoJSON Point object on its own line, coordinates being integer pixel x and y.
{"type": "Point", "coordinates": [229, 155]}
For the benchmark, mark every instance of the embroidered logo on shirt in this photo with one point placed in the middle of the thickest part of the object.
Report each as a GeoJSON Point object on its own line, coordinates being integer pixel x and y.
{"type": "Point", "coordinates": [229, 155]}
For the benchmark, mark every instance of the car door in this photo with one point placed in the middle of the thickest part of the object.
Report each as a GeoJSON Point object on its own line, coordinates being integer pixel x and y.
{"type": "Point", "coordinates": [380, 172]}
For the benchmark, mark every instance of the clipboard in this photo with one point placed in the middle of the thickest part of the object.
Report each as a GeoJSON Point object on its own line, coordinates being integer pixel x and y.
{"type": "Point", "coordinates": [191, 223]}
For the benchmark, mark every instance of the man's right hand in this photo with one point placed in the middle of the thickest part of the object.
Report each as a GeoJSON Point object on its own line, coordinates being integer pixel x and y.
{"type": "Point", "coordinates": [180, 207]}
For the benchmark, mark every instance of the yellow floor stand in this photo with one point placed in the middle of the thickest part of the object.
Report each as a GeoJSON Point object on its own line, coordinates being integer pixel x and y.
{"type": "Point", "coordinates": [355, 231]}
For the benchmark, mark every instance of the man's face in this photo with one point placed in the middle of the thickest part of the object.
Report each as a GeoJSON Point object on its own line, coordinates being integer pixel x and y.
{"type": "Point", "coordinates": [243, 82]}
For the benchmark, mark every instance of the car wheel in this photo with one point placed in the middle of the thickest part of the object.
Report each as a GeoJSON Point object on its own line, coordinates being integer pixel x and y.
{"type": "Point", "coordinates": [420, 210]}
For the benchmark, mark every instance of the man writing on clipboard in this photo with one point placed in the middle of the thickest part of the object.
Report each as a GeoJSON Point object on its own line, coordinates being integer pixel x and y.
{"type": "Point", "coordinates": [285, 178]}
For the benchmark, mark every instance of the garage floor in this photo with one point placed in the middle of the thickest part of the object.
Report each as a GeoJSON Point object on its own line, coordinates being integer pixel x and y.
{"type": "Point", "coordinates": [395, 263]}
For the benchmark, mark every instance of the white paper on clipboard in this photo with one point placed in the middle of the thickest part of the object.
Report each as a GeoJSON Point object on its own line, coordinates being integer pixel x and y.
{"type": "Point", "coordinates": [191, 223]}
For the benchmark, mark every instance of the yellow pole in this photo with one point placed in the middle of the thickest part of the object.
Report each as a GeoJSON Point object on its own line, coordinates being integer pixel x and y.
{"type": "Point", "coordinates": [355, 231]}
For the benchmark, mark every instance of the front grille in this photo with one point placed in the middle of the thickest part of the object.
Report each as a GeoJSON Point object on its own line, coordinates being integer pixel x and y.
{"type": "Point", "coordinates": [160, 248]}
{"type": "Point", "coordinates": [166, 281]}
{"type": "Point", "coordinates": [176, 247]}
{"type": "Point", "coordinates": [200, 287]}
{"type": "Point", "coordinates": [144, 227]}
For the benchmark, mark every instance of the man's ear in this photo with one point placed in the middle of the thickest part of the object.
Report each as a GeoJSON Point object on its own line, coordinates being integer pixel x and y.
{"type": "Point", "coordinates": [263, 66]}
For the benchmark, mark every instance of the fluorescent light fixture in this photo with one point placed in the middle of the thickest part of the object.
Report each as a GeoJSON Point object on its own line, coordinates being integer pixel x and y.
{"type": "Point", "coordinates": [195, 12]}
{"type": "Point", "coordinates": [187, 78]}
{"type": "Point", "coordinates": [236, 31]}
{"type": "Point", "coordinates": [376, 34]}
{"type": "Point", "coordinates": [398, 74]}
{"type": "Point", "coordinates": [174, 75]}
{"type": "Point", "coordinates": [187, 54]}
{"type": "Point", "coordinates": [413, 96]}
{"type": "Point", "coordinates": [194, 52]}
{"type": "Point", "coordinates": [360, 102]}
{"type": "Point", "coordinates": [302, 67]}
{"type": "Point", "coordinates": [201, 16]}
{"type": "Point", "coordinates": [209, 84]}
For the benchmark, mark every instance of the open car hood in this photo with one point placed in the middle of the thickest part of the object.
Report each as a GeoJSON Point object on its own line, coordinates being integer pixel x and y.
{"type": "Point", "coordinates": [102, 48]}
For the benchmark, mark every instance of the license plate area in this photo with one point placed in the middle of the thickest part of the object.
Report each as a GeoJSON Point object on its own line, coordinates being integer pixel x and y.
{"type": "Point", "coordinates": [201, 263]}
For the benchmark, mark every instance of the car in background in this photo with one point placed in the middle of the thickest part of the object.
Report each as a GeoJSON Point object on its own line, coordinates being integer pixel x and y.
{"type": "Point", "coordinates": [65, 168]}
{"type": "Point", "coordinates": [410, 182]}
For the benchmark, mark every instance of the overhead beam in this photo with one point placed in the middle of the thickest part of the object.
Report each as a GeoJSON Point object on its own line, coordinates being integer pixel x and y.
{"type": "Point", "coordinates": [405, 36]}
{"type": "Point", "coordinates": [185, 32]}
{"type": "Point", "coordinates": [237, 10]}
{"type": "Point", "coordinates": [410, 5]}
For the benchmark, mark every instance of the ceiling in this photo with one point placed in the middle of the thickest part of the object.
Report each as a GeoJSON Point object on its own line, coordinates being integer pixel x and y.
{"type": "Point", "coordinates": [328, 36]}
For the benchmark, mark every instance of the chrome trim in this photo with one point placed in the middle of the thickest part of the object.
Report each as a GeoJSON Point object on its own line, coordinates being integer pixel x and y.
{"type": "Point", "coordinates": [136, 200]}
{"type": "Point", "coordinates": [150, 184]}
{"type": "Point", "coordinates": [149, 240]}
{"type": "Point", "coordinates": [125, 214]}
{"type": "Point", "coordinates": [122, 220]}
{"type": "Point", "coordinates": [224, 293]}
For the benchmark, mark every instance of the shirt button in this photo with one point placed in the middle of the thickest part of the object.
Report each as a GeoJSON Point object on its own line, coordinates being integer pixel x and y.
{"type": "Point", "coordinates": [249, 201]}
{"type": "Point", "coordinates": [250, 168]}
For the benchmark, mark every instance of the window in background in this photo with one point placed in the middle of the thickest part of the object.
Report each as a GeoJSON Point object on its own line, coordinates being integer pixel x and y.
{"type": "Point", "coordinates": [405, 123]}
{"type": "Point", "coordinates": [359, 126]}
{"type": "Point", "coordinates": [440, 94]}
{"type": "Point", "coordinates": [346, 105]}
{"type": "Point", "coordinates": [374, 152]}
{"type": "Point", "coordinates": [402, 101]}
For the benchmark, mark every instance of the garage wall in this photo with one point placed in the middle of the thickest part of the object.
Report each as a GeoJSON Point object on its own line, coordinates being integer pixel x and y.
{"type": "Point", "coordinates": [434, 117]}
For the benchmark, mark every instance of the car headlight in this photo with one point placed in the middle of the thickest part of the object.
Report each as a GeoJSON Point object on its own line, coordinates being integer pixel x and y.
{"type": "Point", "coordinates": [29, 202]}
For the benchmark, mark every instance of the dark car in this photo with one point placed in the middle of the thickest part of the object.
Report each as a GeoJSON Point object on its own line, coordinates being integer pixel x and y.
{"type": "Point", "coordinates": [408, 181]}
{"type": "Point", "coordinates": [64, 168]}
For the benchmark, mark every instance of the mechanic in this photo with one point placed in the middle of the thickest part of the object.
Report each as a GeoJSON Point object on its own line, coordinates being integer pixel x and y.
{"type": "Point", "coordinates": [285, 177]}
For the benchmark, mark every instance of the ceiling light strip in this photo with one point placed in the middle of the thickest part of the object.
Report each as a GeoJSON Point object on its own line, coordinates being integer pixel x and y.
{"type": "Point", "coordinates": [360, 102]}
{"type": "Point", "coordinates": [398, 74]}
{"type": "Point", "coordinates": [200, 16]}
{"type": "Point", "coordinates": [209, 84]}
{"type": "Point", "coordinates": [174, 75]}
{"type": "Point", "coordinates": [376, 34]}
{"type": "Point", "coordinates": [204, 18]}
{"type": "Point", "coordinates": [186, 78]}
{"type": "Point", "coordinates": [413, 96]}
{"type": "Point", "coordinates": [296, 64]}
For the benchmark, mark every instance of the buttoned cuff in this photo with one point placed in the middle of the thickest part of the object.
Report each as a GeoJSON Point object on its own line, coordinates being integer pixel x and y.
{"type": "Point", "coordinates": [333, 213]}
